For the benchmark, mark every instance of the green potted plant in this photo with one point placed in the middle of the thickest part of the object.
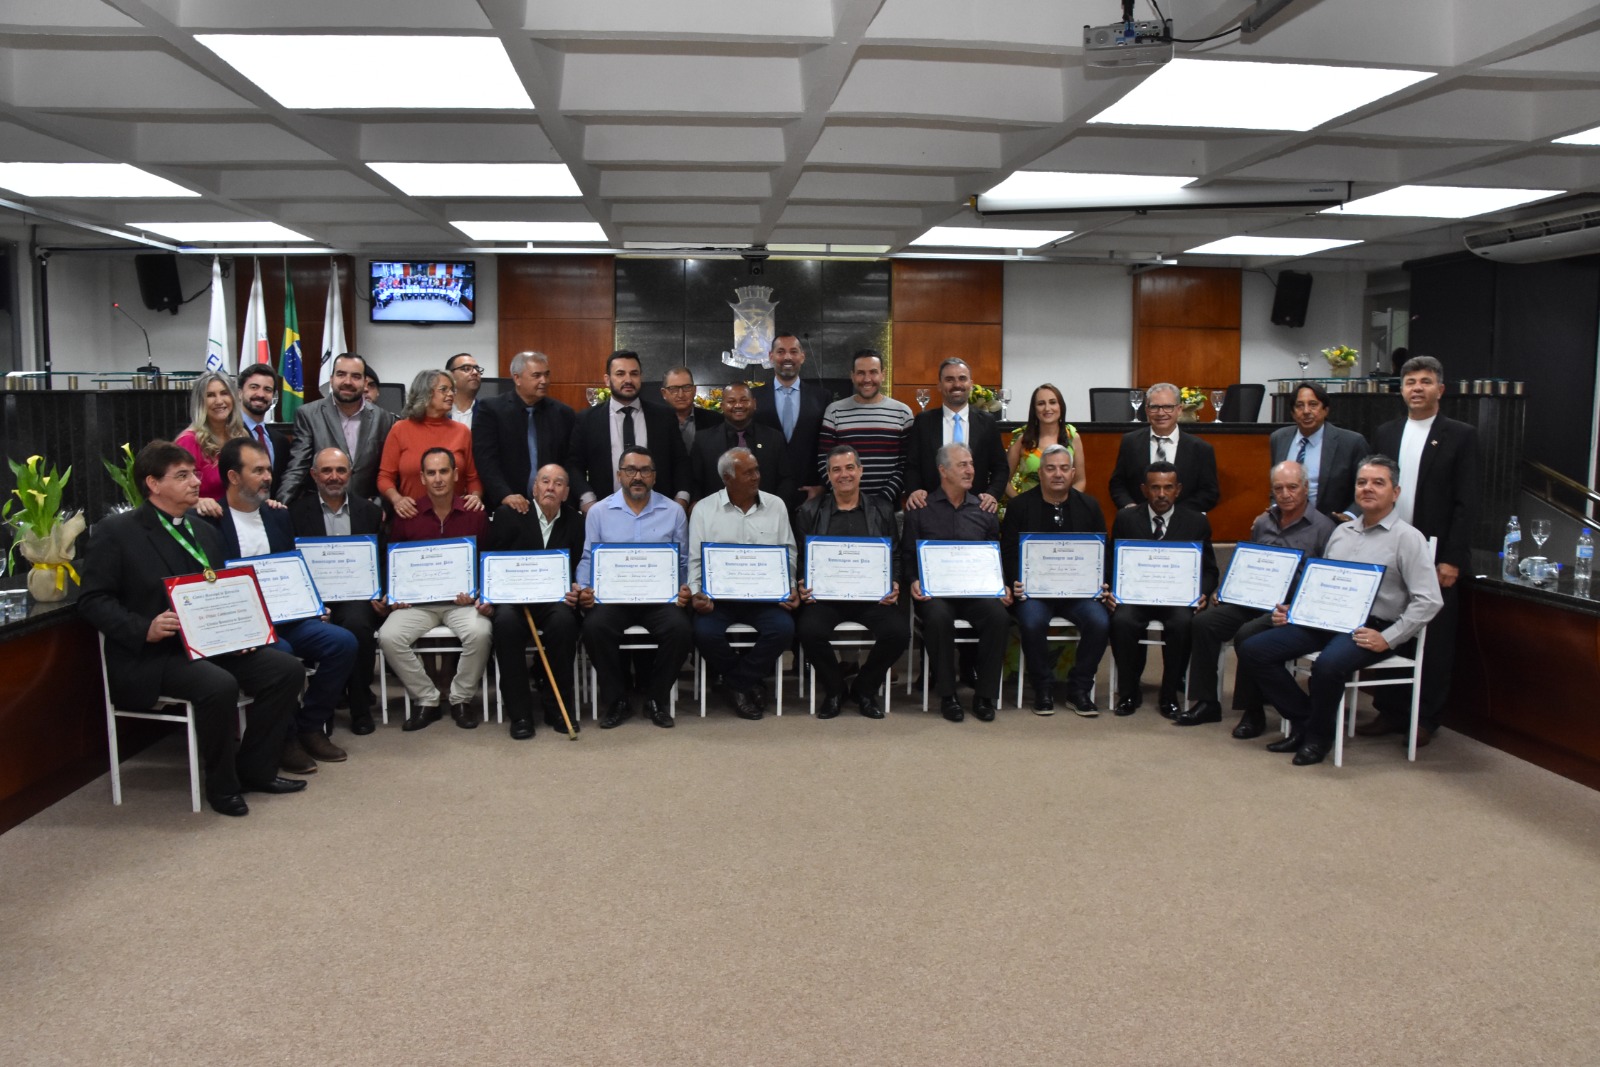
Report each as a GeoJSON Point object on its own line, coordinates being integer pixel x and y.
{"type": "Point", "coordinates": [40, 532]}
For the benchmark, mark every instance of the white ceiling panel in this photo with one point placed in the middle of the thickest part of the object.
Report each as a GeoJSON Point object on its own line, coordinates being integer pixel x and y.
{"type": "Point", "coordinates": [109, 78]}
{"type": "Point", "coordinates": [680, 84]}
{"type": "Point", "coordinates": [685, 184]}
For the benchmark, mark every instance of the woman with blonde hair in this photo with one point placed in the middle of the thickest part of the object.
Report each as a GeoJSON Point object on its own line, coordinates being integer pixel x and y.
{"type": "Point", "coordinates": [1047, 425]}
{"type": "Point", "coordinates": [425, 423]}
{"type": "Point", "coordinates": [215, 419]}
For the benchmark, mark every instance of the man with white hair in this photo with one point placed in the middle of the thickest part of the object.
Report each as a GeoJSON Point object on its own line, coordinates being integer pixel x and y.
{"type": "Point", "coordinates": [516, 433]}
{"type": "Point", "coordinates": [1194, 460]}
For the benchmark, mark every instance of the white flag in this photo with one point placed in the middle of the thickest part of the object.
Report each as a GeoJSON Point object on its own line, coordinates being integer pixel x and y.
{"type": "Point", "coordinates": [218, 356]}
{"type": "Point", "coordinates": [333, 342]}
{"type": "Point", "coordinates": [253, 346]}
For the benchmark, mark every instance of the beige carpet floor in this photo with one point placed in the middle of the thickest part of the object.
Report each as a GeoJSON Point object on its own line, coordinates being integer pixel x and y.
{"type": "Point", "coordinates": [1031, 891]}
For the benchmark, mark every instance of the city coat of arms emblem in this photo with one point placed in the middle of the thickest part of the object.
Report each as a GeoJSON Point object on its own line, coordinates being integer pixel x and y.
{"type": "Point", "coordinates": [753, 327]}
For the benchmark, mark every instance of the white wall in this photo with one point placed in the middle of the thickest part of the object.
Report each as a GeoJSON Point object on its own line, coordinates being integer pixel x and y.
{"type": "Point", "coordinates": [1333, 317]}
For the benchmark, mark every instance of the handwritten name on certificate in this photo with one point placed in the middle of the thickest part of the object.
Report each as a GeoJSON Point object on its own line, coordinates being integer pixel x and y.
{"type": "Point", "coordinates": [286, 585]}
{"type": "Point", "coordinates": [1259, 576]}
{"type": "Point", "coordinates": [848, 568]}
{"type": "Point", "coordinates": [426, 572]}
{"type": "Point", "coordinates": [1062, 565]}
{"type": "Point", "coordinates": [343, 568]}
{"type": "Point", "coordinates": [1336, 595]}
{"type": "Point", "coordinates": [626, 573]}
{"type": "Point", "coordinates": [220, 616]}
{"type": "Point", "coordinates": [960, 568]}
{"type": "Point", "coordinates": [1157, 573]}
{"type": "Point", "coordinates": [533, 577]}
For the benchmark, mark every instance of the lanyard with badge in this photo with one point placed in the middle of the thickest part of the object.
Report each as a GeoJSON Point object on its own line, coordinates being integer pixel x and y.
{"type": "Point", "coordinates": [191, 547]}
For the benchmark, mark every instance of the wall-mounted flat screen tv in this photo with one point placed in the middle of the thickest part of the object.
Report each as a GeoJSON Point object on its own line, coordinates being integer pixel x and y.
{"type": "Point", "coordinates": [423, 291]}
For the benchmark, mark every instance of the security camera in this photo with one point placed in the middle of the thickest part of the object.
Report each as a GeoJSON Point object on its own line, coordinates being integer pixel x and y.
{"type": "Point", "coordinates": [756, 257]}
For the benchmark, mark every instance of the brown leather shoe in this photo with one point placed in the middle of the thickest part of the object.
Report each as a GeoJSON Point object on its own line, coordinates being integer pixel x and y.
{"type": "Point", "coordinates": [1376, 727]}
{"type": "Point", "coordinates": [319, 748]}
{"type": "Point", "coordinates": [295, 759]}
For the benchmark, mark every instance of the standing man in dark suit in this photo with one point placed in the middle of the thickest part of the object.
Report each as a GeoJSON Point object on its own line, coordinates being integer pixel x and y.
{"type": "Point", "coordinates": [955, 423]}
{"type": "Point", "coordinates": [601, 433]}
{"type": "Point", "coordinates": [334, 511]}
{"type": "Point", "coordinates": [1438, 460]}
{"type": "Point", "coordinates": [1192, 458]}
{"type": "Point", "coordinates": [1158, 520]}
{"type": "Point", "coordinates": [677, 389]}
{"type": "Point", "coordinates": [250, 528]}
{"type": "Point", "coordinates": [740, 430]}
{"type": "Point", "coordinates": [796, 409]}
{"type": "Point", "coordinates": [124, 598]}
{"type": "Point", "coordinates": [1328, 453]}
{"type": "Point", "coordinates": [345, 420]}
{"type": "Point", "coordinates": [258, 388]}
{"type": "Point", "coordinates": [516, 433]}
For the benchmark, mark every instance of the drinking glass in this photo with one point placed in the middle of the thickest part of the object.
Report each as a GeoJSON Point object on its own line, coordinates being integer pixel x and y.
{"type": "Point", "coordinates": [1005, 402]}
{"type": "Point", "coordinates": [1539, 530]}
{"type": "Point", "coordinates": [591, 395]}
{"type": "Point", "coordinates": [922, 398]}
{"type": "Point", "coordinates": [1304, 361]}
{"type": "Point", "coordinates": [1136, 398]}
{"type": "Point", "coordinates": [1218, 396]}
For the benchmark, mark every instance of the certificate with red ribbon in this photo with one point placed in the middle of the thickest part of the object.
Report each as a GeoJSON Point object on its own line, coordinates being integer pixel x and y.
{"type": "Point", "coordinates": [226, 613]}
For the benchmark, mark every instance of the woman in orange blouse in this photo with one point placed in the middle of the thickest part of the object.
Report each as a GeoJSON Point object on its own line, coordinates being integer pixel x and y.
{"type": "Point", "coordinates": [425, 423]}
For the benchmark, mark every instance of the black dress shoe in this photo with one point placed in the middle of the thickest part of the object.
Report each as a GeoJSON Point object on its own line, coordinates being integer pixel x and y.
{"type": "Point", "coordinates": [276, 785]}
{"type": "Point", "coordinates": [465, 716]}
{"type": "Point", "coordinates": [1126, 706]}
{"type": "Point", "coordinates": [983, 709]}
{"type": "Point", "coordinates": [1292, 743]}
{"type": "Point", "coordinates": [1251, 724]}
{"type": "Point", "coordinates": [421, 716]}
{"type": "Point", "coordinates": [1311, 752]}
{"type": "Point", "coordinates": [521, 729]}
{"type": "Point", "coordinates": [1168, 709]}
{"type": "Point", "coordinates": [553, 720]}
{"type": "Point", "coordinates": [361, 722]}
{"type": "Point", "coordinates": [829, 708]}
{"type": "Point", "coordinates": [868, 704]}
{"type": "Point", "coordinates": [1204, 711]}
{"type": "Point", "coordinates": [660, 714]}
{"type": "Point", "coordinates": [746, 705]}
{"type": "Point", "coordinates": [228, 804]}
{"type": "Point", "coordinates": [950, 708]}
{"type": "Point", "coordinates": [1082, 703]}
{"type": "Point", "coordinates": [619, 713]}
{"type": "Point", "coordinates": [758, 694]}
{"type": "Point", "coordinates": [1043, 702]}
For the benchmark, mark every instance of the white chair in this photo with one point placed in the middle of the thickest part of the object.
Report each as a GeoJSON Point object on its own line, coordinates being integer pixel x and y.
{"type": "Point", "coordinates": [634, 645]}
{"type": "Point", "coordinates": [746, 635]}
{"type": "Point", "coordinates": [970, 639]}
{"type": "Point", "coordinates": [451, 645]}
{"type": "Point", "coordinates": [1058, 631]}
{"type": "Point", "coordinates": [851, 639]}
{"type": "Point", "coordinates": [113, 713]}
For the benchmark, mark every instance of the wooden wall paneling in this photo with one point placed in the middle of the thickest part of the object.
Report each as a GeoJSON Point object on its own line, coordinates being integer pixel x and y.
{"type": "Point", "coordinates": [919, 348]}
{"type": "Point", "coordinates": [935, 290]}
{"type": "Point", "coordinates": [563, 306]}
{"type": "Point", "coordinates": [1188, 297]}
{"type": "Point", "coordinates": [1199, 357]}
{"type": "Point", "coordinates": [577, 347]}
{"type": "Point", "coordinates": [1186, 326]}
{"type": "Point", "coordinates": [310, 275]}
{"type": "Point", "coordinates": [1242, 464]}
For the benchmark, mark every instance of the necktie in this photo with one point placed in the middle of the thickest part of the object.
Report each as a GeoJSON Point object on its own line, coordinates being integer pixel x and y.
{"type": "Point", "coordinates": [261, 436]}
{"type": "Point", "coordinates": [627, 427]}
{"type": "Point", "coordinates": [533, 450]}
{"type": "Point", "coordinates": [1161, 450]}
{"type": "Point", "coordinates": [1161, 527]}
{"type": "Point", "coordinates": [786, 412]}
{"type": "Point", "coordinates": [739, 435]}
{"type": "Point", "coordinates": [956, 436]}
{"type": "Point", "coordinates": [1305, 443]}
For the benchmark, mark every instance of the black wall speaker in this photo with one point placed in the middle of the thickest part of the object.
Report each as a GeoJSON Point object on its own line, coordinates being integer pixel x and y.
{"type": "Point", "coordinates": [158, 282]}
{"type": "Point", "coordinates": [1294, 293]}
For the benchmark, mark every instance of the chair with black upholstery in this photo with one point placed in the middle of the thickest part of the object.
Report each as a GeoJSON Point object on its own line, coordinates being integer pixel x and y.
{"type": "Point", "coordinates": [1112, 405]}
{"type": "Point", "coordinates": [1243, 402]}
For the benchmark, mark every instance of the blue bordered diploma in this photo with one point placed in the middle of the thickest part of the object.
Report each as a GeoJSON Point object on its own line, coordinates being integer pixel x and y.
{"type": "Point", "coordinates": [541, 576]}
{"type": "Point", "coordinates": [1157, 573]}
{"type": "Point", "coordinates": [849, 568]}
{"type": "Point", "coordinates": [286, 585]}
{"type": "Point", "coordinates": [627, 573]}
{"type": "Point", "coordinates": [960, 568]}
{"type": "Point", "coordinates": [745, 572]}
{"type": "Point", "coordinates": [426, 572]}
{"type": "Point", "coordinates": [1259, 576]}
{"type": "Point", "coordinates": [1336, 595]}
{"type": "Point", "coordinates": [344, 568]}
{"type": "Point", "coordinates": [1063, 565]}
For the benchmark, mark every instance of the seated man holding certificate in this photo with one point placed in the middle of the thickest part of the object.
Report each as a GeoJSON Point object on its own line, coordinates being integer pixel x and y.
{"type": "Point", "coordinates": [439, 515]}
{"type": "Point", "coordinates": [1054, 507]}
{"type": "Point", "coordinates": [250, 528]}
{"type": "Point", "coordinates": [832, 589]}
{"type": "Point", "coordinates": [334, 511]}
{"type": "Point", "coordinates": [632, 584]}
{"type": "Point", "coordinates": [741, 570]}
{"type": "Point", "coordinates": [958, 583]}
{"type": "Point", "coordinates": [1406, 597]}
{"type": "Point", "coordinates": [1151, 583]}
{"type": "Point", "coordinates": [1290, 523]}
{"type": "Point", "coordinates": [551, 524]}
{"type": "Point", "coordinates": [125, 598]}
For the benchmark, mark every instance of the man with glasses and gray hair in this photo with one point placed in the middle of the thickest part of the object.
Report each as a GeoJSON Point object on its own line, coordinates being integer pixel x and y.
{"type": "Point", "coordinates": [518, 432]}
{"type": "Point", "coordinates": [1193, 458]}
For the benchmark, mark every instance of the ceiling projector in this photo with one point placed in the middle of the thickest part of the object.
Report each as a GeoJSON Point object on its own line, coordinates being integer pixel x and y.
{"type": "Point", "coordinates": [1128, 44]}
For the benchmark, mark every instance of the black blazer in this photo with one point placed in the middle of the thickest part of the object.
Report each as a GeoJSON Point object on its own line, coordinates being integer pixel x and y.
{"type": "Point", "coordinates": [305, 515]}
{"type": "Point", "coordinates": [814, 401]}
{"type": "Point", "coordinates": [815, 517]}
{"type": "Point", "coordinates": [514, 531]}
{"type": "Point", "coordinates": [990, 469]}
{"type": "Point", "coordinates": [500, 443]}
{"type": "Point", "coordinates": [278, 524]}
{"type": "Point", "coordinates": [770, 450]}
{"type": "Point", "coordinates": [1342, 452]}
{"type": "Point", "coordinates": [1447, 481]}
{"type": "Point", "coordinates": [1197, 471]}
{"type": "Point", "coordinates": [1134, 525]}
{"type": "Point", "coordinates": [1028, 513]}
{"type": "Point", "coordinates": [129, 554]}
{"type": "Point", "coordinates": [589, 465]}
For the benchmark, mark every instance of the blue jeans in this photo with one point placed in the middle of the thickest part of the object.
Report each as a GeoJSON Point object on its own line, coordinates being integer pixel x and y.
{"type": "Point", "coordinates": [1094, 629]}
{"type": "Point", "coordinates": [742, 668]}
{"type": "Point", "coordinates": [1268, 654]}
{"type": "Point", "coordinates": [333, 650]}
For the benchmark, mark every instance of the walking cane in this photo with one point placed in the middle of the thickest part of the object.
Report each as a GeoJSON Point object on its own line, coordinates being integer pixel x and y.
{"type": "Point", "coordinates": [572, 734]}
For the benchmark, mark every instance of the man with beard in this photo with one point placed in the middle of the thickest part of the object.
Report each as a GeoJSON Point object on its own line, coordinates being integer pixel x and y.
{"type": "Point", "coordinates": [796, 409]}
{"type": "Point", "coordinates": [872, 424]}
{"type": "Point", "coordinates": [954, 422]}
{"type": "Point", "coordinates": [345, 420]}
{"type": "Point", "coordinates": [605, 431]}
{"type": "Point", "coordinates": [258, 388]}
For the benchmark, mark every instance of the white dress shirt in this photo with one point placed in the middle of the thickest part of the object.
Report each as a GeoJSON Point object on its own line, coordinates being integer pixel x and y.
{"type": "Point", "coordinates": [718, 520]}
{"type": "Point", "coordinates": [252, 532]}
{"type": "Point", "coordinates": [1413, 439]}
{"type": "Point", "coordinates": [965, 411]}
{"type": "Point", "coordinates": [1172, 445]}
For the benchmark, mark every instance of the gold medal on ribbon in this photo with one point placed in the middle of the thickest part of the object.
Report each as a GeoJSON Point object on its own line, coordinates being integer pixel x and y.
{"type": "Point", "coordinates": [210, 574]}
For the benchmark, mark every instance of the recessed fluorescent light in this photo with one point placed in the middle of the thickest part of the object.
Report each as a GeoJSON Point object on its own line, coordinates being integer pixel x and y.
{"type": "Point", "coordinates": [480, 179]}
{"type": "Point", "coordinates": [973, 237]}
{"type": "Point", "coordinates": [570, 232]}
{"type": "Point", "coordinates": [1439, 201]}
{"type": "Point", "coordinates": [85, 180]}
{"type": "Point", "coordinates": [860, 250]}
{"type": "Point", "coordinates": [1054, 184]}
{"type": "Point", "coordinates": [1589, 137]}
{"type": "Point", "coordinates": [798, 249]}
{"type": "Point", "coordinates": [402, 73]}
{"type": "Point", "coordinates": [1267, 246]}
{"type": "Point", "coordinates": [220, 231]}
{"type": "Point", "coordinates": [1227, 94]}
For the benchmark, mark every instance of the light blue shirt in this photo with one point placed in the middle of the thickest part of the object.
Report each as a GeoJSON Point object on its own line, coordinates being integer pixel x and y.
{"type": "Point", "coordinates": [612, 520]}
{"type": "Point", "coordinates": [250, 428]}
{"type": "Point", "coordinates": [1313, 461]}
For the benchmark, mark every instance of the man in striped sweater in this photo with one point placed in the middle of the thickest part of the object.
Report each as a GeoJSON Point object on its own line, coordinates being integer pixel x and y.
{"type": "Point", "coordinates": [873, 424]}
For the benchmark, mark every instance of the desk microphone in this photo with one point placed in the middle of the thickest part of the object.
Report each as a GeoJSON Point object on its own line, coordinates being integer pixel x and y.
{"type": "Point", "coordinates": [149, 357]}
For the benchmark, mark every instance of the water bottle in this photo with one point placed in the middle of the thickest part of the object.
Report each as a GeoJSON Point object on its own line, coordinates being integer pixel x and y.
{"type": "Point", "coordinates": [1512, 550]}
{"type": "Point", "coordinates": [1583, 560]}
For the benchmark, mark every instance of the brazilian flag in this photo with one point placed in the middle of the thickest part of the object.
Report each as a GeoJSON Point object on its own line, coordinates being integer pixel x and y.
{"type": "Point", "coordinates": [290, 370]}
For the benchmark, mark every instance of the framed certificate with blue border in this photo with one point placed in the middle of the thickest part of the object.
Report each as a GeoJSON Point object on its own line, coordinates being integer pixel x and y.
{"type": "Point", "coordinates": [960, 569]}
{"type": "Point", "coordinates": [745, 572]}
{"type": "Point", "coordinates": [1259, 576]}
{"type": "Point", "coordinates": [427, 572]}
{"type": "Point", "coordinates": [1336, 595]}
{"type": "Point", "coordinates": [344, 568]}
{"type": "Point", "coordinates": [849, 568]}
{"type": "Point", "coordinates": [635, 573]}
{"type": "Point", "coordinates": [537, 576]}
{"type": "Point", "coordinates": [1062, 565]}
{"type": "Point", "coordinates": [286, 586]}
{"type": "Point", "coordinates": [1157, 573]}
